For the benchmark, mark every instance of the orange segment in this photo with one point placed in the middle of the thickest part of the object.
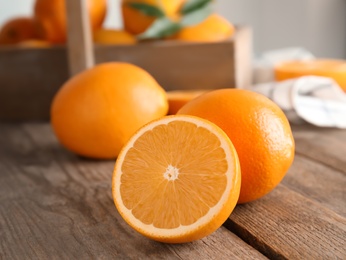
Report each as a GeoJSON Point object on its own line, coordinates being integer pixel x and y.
{"type": "Point", "coordinates": [178, 98]}
{"type": "Point", "coordinates": [335, 69]}
{"type": "Point", "coordinates": [177, 179]}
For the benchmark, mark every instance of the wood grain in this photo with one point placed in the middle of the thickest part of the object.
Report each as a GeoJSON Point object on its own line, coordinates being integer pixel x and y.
{"type": "Point", "coordinates": [28, 81]}
{"type": "Point", "coordinates": [80, 45]}
{"type": "Point", "coordinates": [318, 182]}
{"type": "Point", "coordinates": [287, 225]}
{"type": "Point", "coordinates": [311, 142]}
{"type": "Point", "coordinates": [55, 205]}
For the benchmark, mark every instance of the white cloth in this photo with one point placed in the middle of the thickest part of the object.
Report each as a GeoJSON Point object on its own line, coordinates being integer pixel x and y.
{"type": "Point", "coordinates": [263, 69]}
{"type": "Point", "coordinates": [317, 100]}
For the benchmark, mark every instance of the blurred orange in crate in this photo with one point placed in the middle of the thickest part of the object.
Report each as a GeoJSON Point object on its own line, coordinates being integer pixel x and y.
{"type": "Point", "coordinates": [17, 30]}
{"type": "Point", "coordinates": [50, 16]}
{"type": "Point", "coordinates": [136, 22]}
{"type": "Point", "coordinates": [335, 69]}
{"type": "Point", "coordinates": [213, 29]}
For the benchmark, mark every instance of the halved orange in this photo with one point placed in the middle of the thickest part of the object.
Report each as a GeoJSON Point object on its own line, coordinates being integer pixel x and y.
{"type": "Point", "coordinates": [177, 179]}
{"type": "Point", "coordinates": [335, 69]}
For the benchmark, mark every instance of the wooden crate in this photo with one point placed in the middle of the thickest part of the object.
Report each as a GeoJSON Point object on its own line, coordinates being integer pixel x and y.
{"type": "Point", "coordinates": [29, 78]}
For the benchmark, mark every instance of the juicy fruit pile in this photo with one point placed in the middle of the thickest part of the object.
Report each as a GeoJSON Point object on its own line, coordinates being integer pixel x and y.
{"type": "Point", "coordinates": [177, 179]}
{"type": "Point", "coordinates": [97, 111]}
{"type": "Point", "coordinates": [48, 24]}
{"type": "Point", "coordinates": [183, 20]}
{"type": "Point", "coordinates": [259, 131]}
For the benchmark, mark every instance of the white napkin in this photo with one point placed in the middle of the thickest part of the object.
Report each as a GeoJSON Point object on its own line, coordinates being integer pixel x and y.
{"type": "Point", "coordinates": [317, 100]}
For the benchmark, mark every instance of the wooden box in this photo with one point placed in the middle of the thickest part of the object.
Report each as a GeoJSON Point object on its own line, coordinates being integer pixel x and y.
{"type": "Point", "coordinates": [29, 78]}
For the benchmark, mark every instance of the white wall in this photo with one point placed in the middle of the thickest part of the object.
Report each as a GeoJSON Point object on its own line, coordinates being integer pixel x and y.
{"type": "Point", "coordinates": [318, 25]}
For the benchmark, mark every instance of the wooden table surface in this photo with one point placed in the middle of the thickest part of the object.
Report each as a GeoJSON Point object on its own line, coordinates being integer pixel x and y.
{"type": "Point", "coordinates": [55, 205]}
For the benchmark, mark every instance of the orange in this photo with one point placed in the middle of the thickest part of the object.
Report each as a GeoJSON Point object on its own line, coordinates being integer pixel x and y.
{"type": "Point", "coordinates": [136, 22]}
{"type": "Point", "coordinates": [335, 69]}
{"type": "Point", "coordinates": [50, 16]}
{"type": "Point", "coordinates": [259, 131]}
{"type": "Point", "coordinates": [215, 28]}
{"type": "Point", "coordinates": [177, 179]}
{"type": "Point", "coordinates": [97, 111]}
{"type": "Point", "coordinates": [110, 36]}
{"type": "Point", "coordinates": [178, 98]}
{"type": "Point", "coordinates": [17, 30]}
{"type": "Point", "coordinates": [34, 44]}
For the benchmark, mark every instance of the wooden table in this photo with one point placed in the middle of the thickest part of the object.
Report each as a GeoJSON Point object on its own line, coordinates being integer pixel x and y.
{"type": "Point", "coordinates": [55, 205]}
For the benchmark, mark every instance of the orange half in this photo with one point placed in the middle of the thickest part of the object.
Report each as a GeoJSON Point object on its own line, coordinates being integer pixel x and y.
{"type": "Point", "coordinates": [177, 179]}
{"type": "Point", "coordinates": [335, 69]}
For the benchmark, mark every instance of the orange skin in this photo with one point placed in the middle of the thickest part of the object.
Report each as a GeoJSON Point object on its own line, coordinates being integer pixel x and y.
{"type": "Point", "coordinates": [50, 16]}
{"type": "Point", "coordinates": [215, 28]}
{"type": "Point", "coordinates": [96, 112]}
{"type": "Point", "coordinates": [178, 98]}
{"type": "Point", "coordinates": [335, 69]}
{"type": "Point", "coordinates": [109, 36]}
{"type": "Point", "coordinates": [17, 30]}
{"type": "Point", "coordinates": [259, 131]}
{"type": "Point", "coordinates": [136, 22]}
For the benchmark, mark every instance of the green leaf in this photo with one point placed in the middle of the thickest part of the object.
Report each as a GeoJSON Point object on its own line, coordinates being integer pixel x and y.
{"type": "Point", "coordinates": [162, 27]}
{"type": "Point", "coordinates": [196, 16]}
{"type": "Point", "coordinates": [193, 5]}
{"type": "Point", "coordinates": [147, 9]}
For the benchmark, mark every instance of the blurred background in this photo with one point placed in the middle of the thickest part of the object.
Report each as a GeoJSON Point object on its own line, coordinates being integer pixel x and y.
{"type": "Point", "coordinates": [316, 25]}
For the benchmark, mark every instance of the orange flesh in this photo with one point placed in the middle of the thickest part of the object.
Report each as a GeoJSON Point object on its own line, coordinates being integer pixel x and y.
{"type": "Point", "coordinates": [172, 178]}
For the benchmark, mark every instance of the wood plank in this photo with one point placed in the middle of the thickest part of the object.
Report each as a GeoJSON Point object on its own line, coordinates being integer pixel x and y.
{"type": "Point", "coordinates": [286, 225]}
{"type": "Point", "coordinates": [318, 182]}
{"type": "Point", "coordinates": [325, 145]}
{"type": "Point", "coordinates": [54, 204]}
{"type": "Point", "coordinates": [79, 42]}
{"type": "Point", "coordinates": [28, 81]}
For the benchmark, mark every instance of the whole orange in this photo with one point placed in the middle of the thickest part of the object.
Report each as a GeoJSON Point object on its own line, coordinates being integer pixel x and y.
{"type": "Point", "coordinates": [213, 29]}
{"type": "Point", "coordinates": [50, 16]}
{"type": "Point", "coordinates": [259, 131]}
{"type": "Point", "coordinates": [17, 30]}
{"type": "Point", "coordinates": [97, 111]}
{"type": "Point", "coordinates": [136, 22]}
